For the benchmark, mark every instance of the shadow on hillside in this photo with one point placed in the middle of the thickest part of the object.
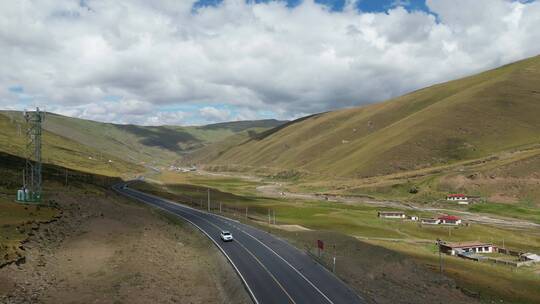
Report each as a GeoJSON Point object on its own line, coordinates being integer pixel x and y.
{"type": "Point", "coordinates": [161, 136]}
{"type": "Point", "coordinates": [239, 126]}
{"type": "Point", "coordinates": [11, 168]}
{"type": "Point", "coordinates": [265, 134]}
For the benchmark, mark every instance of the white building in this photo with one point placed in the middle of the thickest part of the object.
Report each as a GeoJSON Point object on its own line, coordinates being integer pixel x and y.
{"type": "Point", "coordinates": [391, 214]}
{"type": "Point", "coordinates": [461, 199]}
{"type": "Point", "coordinates": [430, 221]}
{"type": "Point", "coordinates": [467, 247]}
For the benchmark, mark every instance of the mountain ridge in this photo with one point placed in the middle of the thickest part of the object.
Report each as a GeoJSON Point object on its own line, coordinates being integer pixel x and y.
{"type": "Point", "coordinates": [82, 142]}
{"type": "Point", "coordinates": [431, 126]}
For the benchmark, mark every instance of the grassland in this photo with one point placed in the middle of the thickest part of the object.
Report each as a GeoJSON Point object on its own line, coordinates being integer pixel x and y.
{"type": "Point", "coordinates": [531, 214]}
{"type": "Point", "coordinates": [493, 283]}
{"type": "Point", "coordinates": [360, 221]}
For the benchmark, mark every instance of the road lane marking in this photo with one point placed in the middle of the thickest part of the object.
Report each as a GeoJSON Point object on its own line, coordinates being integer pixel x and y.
{"type": "Point", "coordinates": [267, 270]}
{"type": "Point", "coordinates": [286, 262]}
{"type": "Point", "coordinates": [214, 241]}
{"type": "Point", "coordinates": [251, 253]}
{"type": "Point", "coordinates": [228, 222]}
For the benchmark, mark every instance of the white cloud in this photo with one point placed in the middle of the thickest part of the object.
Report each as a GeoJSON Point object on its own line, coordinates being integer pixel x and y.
{"type": "Point", "coordinates": [122, 111]}
{"type": "Point", "coordinates": [213, 114]}
{"type": "Point", "coordinates": [167, 118]}
{"type": "Point", "coordinates": [247, 57]}
{"type": "Point", "coordinates": [133, 107]}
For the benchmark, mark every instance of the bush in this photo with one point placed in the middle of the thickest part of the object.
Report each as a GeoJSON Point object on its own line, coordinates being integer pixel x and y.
{"type": "Point", "coordinates": [413, 190]}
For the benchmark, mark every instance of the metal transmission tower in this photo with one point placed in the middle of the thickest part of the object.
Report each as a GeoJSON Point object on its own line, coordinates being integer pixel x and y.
{"type": "Point", "coordinates": [32, 181]}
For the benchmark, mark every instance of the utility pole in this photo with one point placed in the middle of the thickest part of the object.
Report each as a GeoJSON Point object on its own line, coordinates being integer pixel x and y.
{"type": "Point", "coordinates": [32, 177]}
{"type": "Point", "coordinates": [440, 256]}
{"type": "Point", "coordinates": [334, 265]}
{"type": "Point", "coordinates": [269, 218]}
{"type": "Point", "coordinates": [274, 216]}
{"type": "Point", "coordinates": [208, 199]}
{"type": "Point", "coordinates": [246, 213]}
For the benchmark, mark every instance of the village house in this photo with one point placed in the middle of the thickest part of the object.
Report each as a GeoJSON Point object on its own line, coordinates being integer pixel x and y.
{"type": "Point", "coordinates": [391, 214]}
{"type": "Point", "coordinates": [461, 199]}
{"type": "Point", "coordinates": [467, 247]}
{"type": "Point", "coordinates": [430, 221]}
{"type": "Point", "coordinates": [449, 220]}
{"type": "Point", "coordinates": [412, 217]}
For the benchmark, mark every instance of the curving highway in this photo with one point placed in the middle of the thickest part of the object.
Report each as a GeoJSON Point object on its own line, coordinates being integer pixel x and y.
{"type": "Point", "coordinates": [272, 270]}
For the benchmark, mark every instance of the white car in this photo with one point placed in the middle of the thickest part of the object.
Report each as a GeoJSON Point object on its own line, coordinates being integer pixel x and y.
{"type": "Point", "coordinates": [226, 236]}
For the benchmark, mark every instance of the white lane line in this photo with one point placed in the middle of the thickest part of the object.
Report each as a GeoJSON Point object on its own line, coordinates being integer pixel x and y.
{"type": "Point", "coordinates": [214, 241]}
{"type": "Point", "coordinates": [267, 270]}
{"type": "Point", "coordinates": [297, 271]}
{"type": "Point", "coordinates": [253, 255]}
{"type": "Point", "coordinates": [286, 262]}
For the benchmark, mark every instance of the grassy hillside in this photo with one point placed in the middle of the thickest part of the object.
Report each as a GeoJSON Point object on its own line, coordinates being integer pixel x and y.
{"type": "Point", "coordinates": [501, 179]}
{"type": "Point", "coordinates": [64, 152]}
{"type": "Point", "coordinates": [464, 119]}
{"type": "Point", "coordinates": [84, 144]}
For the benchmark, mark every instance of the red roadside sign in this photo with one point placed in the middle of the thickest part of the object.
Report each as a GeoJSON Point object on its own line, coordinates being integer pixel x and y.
{"type": "Point", "coordinates": [320, 244]}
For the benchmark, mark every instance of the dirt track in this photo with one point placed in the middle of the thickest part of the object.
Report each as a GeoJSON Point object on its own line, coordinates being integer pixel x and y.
{"type": "Point", "coordinates": [275, 190]}
{"type": "Point", "coordinates": [108, 250]}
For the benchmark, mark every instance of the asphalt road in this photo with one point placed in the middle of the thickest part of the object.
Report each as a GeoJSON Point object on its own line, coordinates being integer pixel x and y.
{"type": "Point", "coordinates": [272, 270]}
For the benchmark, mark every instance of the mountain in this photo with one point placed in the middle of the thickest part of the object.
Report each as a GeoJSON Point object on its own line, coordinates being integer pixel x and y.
{"type": "Point", "coordinates": [448, 123]}
{"type": "Point", "coordinates": [61, 151]}
{"type": "Point", "coordinates": [89, 145]}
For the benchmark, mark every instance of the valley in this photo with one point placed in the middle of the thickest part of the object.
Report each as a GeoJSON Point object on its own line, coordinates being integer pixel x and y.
{"type": "Point", "coordinates": [270, 152]}
{"type": "Point", "coordinates": [325, 177]}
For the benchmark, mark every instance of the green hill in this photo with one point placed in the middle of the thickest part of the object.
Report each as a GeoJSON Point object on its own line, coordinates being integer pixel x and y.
{"type": "Point", "coordinates": [464, 119]}
{"type": "Point", "coordinates": [89, 145]}
{"type": "Point", "coordinates": [62, 151]}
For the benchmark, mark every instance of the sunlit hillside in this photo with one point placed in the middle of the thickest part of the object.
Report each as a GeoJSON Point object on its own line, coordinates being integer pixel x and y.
{"type": "Point", "coordinates": [464, 119]}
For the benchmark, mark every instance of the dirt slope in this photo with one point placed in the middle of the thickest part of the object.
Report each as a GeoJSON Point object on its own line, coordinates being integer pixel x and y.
{"type": "Point", "coordinates": [105, 249]}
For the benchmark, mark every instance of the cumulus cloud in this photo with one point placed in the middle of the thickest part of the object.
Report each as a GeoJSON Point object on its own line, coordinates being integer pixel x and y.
{"type": "Point", "coordinates": [166, 118]}
{"type": "Point", "coordinates": [74, 55]}
{"type": "Point", "coordinates": [214, 114]}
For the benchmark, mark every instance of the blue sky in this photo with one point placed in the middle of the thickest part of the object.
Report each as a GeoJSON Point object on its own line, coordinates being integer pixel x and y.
{"type": "Point", "coordinates": [337, 5]}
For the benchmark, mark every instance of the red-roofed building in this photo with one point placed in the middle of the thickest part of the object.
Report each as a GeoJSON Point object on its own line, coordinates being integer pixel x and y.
{"type": "Point", "coordinates": [449, 220]}
{"type": "Point", "coordinates": [462, 199]}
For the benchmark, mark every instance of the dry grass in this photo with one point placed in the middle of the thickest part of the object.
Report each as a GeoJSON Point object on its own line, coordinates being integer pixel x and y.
{"type": "Point", "coordinates": [16, 225]}
{"type": "Point", "coordinates": [435, 126]}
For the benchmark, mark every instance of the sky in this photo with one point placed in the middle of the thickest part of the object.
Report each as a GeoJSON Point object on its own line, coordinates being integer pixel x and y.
{"type": "Point", "coordinates": [194, 62]}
